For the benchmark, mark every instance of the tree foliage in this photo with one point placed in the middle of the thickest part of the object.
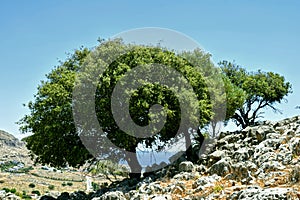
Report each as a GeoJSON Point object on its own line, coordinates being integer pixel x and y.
{"type": "Point", "coordinates": [262, 89]}
{"type": "Point", "coordinates": [226, 97]}
{"type": "Point", "coordinates": [56, 140]}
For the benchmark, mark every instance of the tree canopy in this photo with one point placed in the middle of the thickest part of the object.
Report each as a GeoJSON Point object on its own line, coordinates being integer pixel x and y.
{"type": "Point", "coordinates": [226, 96]}
{"type": "Point", "coordinates": [262, 90]}
{"type": "Point", "coordinates": [58, 140]}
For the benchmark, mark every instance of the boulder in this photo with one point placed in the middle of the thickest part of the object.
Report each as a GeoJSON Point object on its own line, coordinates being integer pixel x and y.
{"type": "Point", "coordinates": [117, 195]}
{"type": "Point", "coordinates": [221, 168]}
{"type": "Point", "coordinates": [186, 166]}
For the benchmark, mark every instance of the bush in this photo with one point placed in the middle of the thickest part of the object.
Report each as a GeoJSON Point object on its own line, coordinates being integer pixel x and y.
{"type": "Point", "coordinates": [218, 188]}
{"type": "Point", "coordinates": [13, 190]}
{"type": "Point", "coordinates": [95, 186]}
{"type": "Point", "coordinates": [51, 187]}
{"type": "Point", "coordinates": [31, 185]}
{"type": "Point", "coordinates": [2, 181]}
{"type": "Point", "coordinates": [69, 184]}
{"type": "Point", "coordinates": [6, 190]}
{"type": "Point", "coordinates": [63, 184]}
{"type": "Point", "coordinates": [36, 192]}
{"type": "Point", "coordinates": [26, 197]}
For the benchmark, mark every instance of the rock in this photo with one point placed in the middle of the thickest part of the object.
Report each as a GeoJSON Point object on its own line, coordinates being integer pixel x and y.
{"type": "Point", "coordinates": [246, 194]}
{"type": "Point", "coordinates": [138, 197]}
{"type": "Point", "coordinates": [253, 193]}
{"type": "Point", "coordinates": [184, 176]}
{"type": "Point", "coordinates": [215, 157]}
{"type": "Point", "coordinates": [79, 195]}
{"type": "Point", "coordinates": [205, 180]}
{"type": "Point", "coordinates": [13, 150]}
{"type": "Point", "coordinates": [294, 176]}
{"type": "Point", "coordinates": [46, 197]}
{"type": "Point", "coordinates": [272, 166]}
{"type": "Point", "coordinates": [64, 196]}
{"type": "Point", "coordinates": [242, 171]}
{"type": "Point", "coordinates": [295, 146]}
{"type": "Point", "coordinates": [117, 195]}
{"type": "Point", "coordinates": [161, 197]}
{"type": "Point", "coordinates": [12, 197]}
{"type": "Point", "coordinates": [200, 168]}
{"type": "Point", "coordinates": [241, 154]}
{"type": "Point", "coordinates": [221, 168]}
{"type": "Point", "coordinates": [151, 188]}
{"type": "Point", "coordinates": [186, 166]}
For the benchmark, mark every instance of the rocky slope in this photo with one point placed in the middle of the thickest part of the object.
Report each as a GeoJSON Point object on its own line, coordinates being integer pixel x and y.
{"type": "Point", "coordinates": [259, 162]}
{"type": "Point", "coordinates": [11, 149]}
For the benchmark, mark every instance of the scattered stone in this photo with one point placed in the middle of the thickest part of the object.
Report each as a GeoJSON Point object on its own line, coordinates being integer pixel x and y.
{"type": "Point", "coordinates": [186, 166]}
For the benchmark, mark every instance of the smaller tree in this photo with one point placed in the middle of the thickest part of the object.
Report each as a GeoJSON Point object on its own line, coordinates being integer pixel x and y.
{"type": "Point", "coordinates": [263, 90]}
{"type": "Point", "coordinates": [226, 97]}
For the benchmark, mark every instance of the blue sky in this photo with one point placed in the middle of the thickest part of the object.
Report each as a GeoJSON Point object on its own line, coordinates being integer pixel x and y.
{"type": "Point", "coordinates": [36, 34]}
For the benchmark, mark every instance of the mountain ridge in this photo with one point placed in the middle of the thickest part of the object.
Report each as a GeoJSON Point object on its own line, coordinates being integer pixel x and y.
{"type": "Point", "coordinates": [12, 149]}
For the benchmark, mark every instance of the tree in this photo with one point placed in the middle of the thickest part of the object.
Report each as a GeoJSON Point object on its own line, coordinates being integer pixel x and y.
{"type": "Point", "coordinates": [226, 98]}
{"type": "Point", "coordinates": [55, 138]}
{"type": "Point", "coordinates": [262, 89]}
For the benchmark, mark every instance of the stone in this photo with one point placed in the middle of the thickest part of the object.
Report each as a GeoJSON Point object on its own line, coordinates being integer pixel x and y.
{"type": "Point", "coordinates": [161, 197]}
{"type": "Point", "coordinates": [79, 195]}
{"type": "Point", "coordinates": [184, 176]}
{"type": "Point", "coordinates": [216, 156]}
{"type": "Point", "coordinates": [117, 195]}
{"type": "Point", "coordinates": [64, 196]}
{"type": "Point", "coordinates": [272, 166]}
{"type": "Point", "coordinates": [274, 193]}
{"type": "Point", "coordinates": [186, 166]}
{"type": "Point", "coordinates": [242, 172]}
{"type": "Point", "coordinates": [205, 180]}
{"type": "Point", "coordinates": [46, 197]}
{"type": "Point", "coordinates": [221, 168]}
{"type": "Point", "coordinates": [241, 154]}
{"type": "Point", "coordinates": [295, 146]}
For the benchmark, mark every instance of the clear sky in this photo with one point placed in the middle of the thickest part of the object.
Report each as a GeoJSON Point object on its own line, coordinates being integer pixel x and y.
{"type": "Point", "coordinates": [35, 35]}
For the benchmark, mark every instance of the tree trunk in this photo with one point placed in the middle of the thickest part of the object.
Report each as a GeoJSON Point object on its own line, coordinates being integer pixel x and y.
{"type": "Point", "coordinates": [188, 146]}
{"type": "Point", "coordinates": [136, 168]}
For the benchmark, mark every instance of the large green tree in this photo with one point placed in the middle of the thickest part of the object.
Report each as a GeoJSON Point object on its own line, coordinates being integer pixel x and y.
{"type": "Point", "coordinates": [262, 89]}
{"type": "Point", "coordinates": [226, 97]}
{"type": "Point", "coordinates": [55, 138]}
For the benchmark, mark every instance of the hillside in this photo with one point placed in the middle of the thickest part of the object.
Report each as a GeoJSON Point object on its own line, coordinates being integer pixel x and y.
{"type": "Point", "coordinates": [11, 149]}
{"type": "Point", "coordinates": [259, 162]}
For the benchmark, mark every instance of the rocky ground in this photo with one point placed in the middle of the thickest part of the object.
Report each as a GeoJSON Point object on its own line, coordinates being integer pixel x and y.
{"type": "Point", "coordinates": [259, 162]}
{"type": "Point", "coordinates": [11, 149]}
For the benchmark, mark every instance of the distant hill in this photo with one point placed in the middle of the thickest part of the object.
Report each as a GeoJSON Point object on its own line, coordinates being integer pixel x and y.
{"type": "Point", "coordinates": [12, 149]}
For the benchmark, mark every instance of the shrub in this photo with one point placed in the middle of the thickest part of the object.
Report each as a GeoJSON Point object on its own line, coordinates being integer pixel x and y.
{"type": "Point", "coordinates": [26, 197]}
{"type": "Point", "coordinates": [31, 185]}
{"type": "Point", "coordinates": [36, 192]}
{"type": "Point", "coordinates": [95, 186]}
{"type": "Point", "coordinates": [69, 184]}
{"type": "Point", "coordinates": [2, 181]}
{"type": "Point", "coordinates": [218, 188]}
{"type": "Point", "coordinates": [63, 184]}
{"type": "Point", "coordinates": [6, 190]}
{"type": "Point", "coordinates": [51, 187]}
{"type": "Point", "coordinates": [13, 190]}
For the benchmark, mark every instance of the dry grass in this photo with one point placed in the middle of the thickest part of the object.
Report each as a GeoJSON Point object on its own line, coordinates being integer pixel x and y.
{"type": "Point", "coordinates": [43, 179]}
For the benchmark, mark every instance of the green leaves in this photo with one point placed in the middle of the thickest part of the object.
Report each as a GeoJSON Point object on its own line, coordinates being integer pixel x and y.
{"type": "Point", "coordinates": [262, 89]}
{"type": "Point", "coordinates": [55, 139]}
